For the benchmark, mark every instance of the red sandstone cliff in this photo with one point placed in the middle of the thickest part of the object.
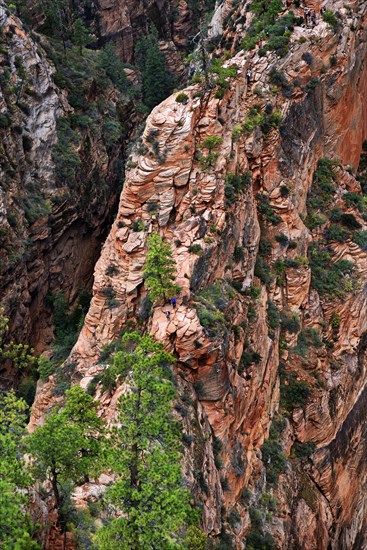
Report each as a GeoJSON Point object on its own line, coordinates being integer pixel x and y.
{"type": "Point", "coordinates": [320, 500]}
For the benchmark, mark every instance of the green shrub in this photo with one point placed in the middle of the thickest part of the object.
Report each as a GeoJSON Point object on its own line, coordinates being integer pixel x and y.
{"type": "Point", "coordinates": [238, 254]}
{"type": "Point", "coordinates": [314, 220]}
{"type": "Point", "coordinates": [289, 323]}
{"type": "Point", "coordinates": [182, 97]}
{"type": "Point", "coordinates": [262, 270]}
{"type": "Point", "coordinates": [278, 78]}
{"type": "Point", "coordinates": [196, 249]}
{"type": "Point", "coordinates": [111, 303]}
{"type": "Point", "coordinates": [335, 320]}
{"type": "Point", "coordinates": [333, 61]}
{"type": "Point", "coordinates": [328, 278]}
{"type": "Point", "coordinates": [35, 204]}
{"type": "Point", "coordinates": [336, 233]}
{"type": "Point", "coordinates": [312, 83]}
{"type": "Point", "coordinates": [360, 237]}
{"type": "Point", "coordinates": [210, 304]}
{"type": "Point", "coordinates": [67, 325]}
{"type": "Point", "coordinates": [356, 200]}
{"type": "Point", "coordinates": [112, 270]}
{"type": "Point", "coordinates": [308, 337]}
{"type": "Point", "coordinates": [322, 192]}
{"type": "Point", "coordinates": [331, 19]}
{"type": "Point", "coordinates": [266, 19]}
{"type": "Point", "coordinates": [273, 459]}
{"type": "Point", "coordinates": [256, 538]}
{"type": "Point", "coordinates": [45, 367]}
{"type": "Point", "coordinates": [259, 119]}
{"type": "Point", "coordinates": [152, 207]}
{"type": "Point", "coordinates": [262, 267]}
{"type": "Point", "coordinates": [307, 57]}
{"type": "Point", "coordinates": [293, 392]}
{"type": "Point", "coordinates": [273, 317]}
{"type": "Point", "coordinates": [199, 388]}
{"type": "Point", "coordinates": [217, 447]}
{"type": "Point", "coordinates": [112, 132]}
{"type": "Point", "coordinates": [235, 184]}
{"type": "Point", "coordinates": [64, 155]}
{"type": "Point", "coordinates": [303, 450]}
{"type": "Point", "coordinates": [249, 357]}
{"type": "Point", "coordinates": [108, 292]}
{"type": "Point", "coordinates": [350, 221]}
{"type": "Point", "coordinates": [138, 225]}
{"type": "Point", "coordinates": [234, 517]}
{"type": "Point", "coordinates": [266, 210]}
{"type": "Point", "coordinates": [211, 142]}
{"type": "Point", "coordinates": [5, 120]}
{"type": "Point", "coordinates": [282, 239]}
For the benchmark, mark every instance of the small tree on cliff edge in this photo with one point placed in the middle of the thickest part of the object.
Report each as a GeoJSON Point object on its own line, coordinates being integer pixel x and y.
{"type": "Point", "coordinates": [68, 447]}
{"type": "Point", "coordinates": [160, 269]}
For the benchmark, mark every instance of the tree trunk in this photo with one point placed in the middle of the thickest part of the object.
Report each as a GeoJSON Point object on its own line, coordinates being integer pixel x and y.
{"type": "Point", "coordinates": [55, 489]}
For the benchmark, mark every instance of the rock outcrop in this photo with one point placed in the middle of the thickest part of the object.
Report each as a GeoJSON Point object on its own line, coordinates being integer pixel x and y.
{"type": "Point", "coordinates": [258, 341]}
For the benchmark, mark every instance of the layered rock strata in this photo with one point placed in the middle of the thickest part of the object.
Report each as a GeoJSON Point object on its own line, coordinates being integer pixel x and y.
{"type": "Point", "coordinates": [222, 247]}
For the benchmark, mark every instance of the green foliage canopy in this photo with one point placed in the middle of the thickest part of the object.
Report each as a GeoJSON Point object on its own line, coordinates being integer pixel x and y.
{"type": "Point", "coordinates": [160, 269]}
{"type": "Point", "coordinates": [146, 454]}
{"type": "Point", "coordinates": [157, 82]}
{"type": "Point", "coordinates": [15, 525]}
{"type": "Point", "coordinates": [69, 445]}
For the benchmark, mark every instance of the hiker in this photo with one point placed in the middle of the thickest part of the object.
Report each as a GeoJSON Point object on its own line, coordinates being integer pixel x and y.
{"type": "Point", "coordinates": [248, 75]}
{"type": "Point", "coordinates": [173, 302]}
{"type": "Point", "coordinates": [168, 314]}
{"type": "Point", "coordinates": [308, 16]}
{"type": "Point", "coordinates": [260, 43]}
{"type": "Point", "coordinates": [314, 18]}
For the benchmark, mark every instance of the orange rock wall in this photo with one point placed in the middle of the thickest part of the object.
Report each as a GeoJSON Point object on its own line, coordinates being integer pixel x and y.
{"type": "Point", "coordinates": [320, 502]}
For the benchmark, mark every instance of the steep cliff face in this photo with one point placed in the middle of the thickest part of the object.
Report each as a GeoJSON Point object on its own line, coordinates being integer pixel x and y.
{"type": "Point", "coordinates": [270, 329]}
{"type": "Point", "coordinates": [125, 22]}
{"type": "Point", "coordinates": [59, 176]}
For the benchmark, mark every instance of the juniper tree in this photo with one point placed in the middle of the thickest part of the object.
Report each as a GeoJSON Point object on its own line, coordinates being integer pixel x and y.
{"type": "Point", "coordinates": [145, 454]}
{"type": "Point", "coordinates": [160, 269]}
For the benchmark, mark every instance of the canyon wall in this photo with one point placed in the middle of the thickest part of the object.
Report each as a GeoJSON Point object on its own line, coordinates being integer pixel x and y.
{"type": "Point", "coordinates": [53, 220]}
{"type": "Point", "coordinates": [269, 332]}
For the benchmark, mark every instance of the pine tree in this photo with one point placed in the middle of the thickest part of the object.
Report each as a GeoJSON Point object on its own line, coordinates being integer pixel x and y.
{"type": "Point", "coordinates": [15, 525]}
{"type": "Point", "coordinates": [111, 66]}
{"type": "Point", "coordinates": [157, 82]}
{"type": "Point", "coordinates": [160, 269]}
{"type": "Point", "coordinates": [69, 445]}
{"type": "Point", "coordinates": [146, 454]}
{"type": "Point", "coordinates": [81, 35]}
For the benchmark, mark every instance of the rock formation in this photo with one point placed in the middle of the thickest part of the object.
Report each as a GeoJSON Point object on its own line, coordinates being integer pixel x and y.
{"type": "Point", "coordinates": [51, 232]}
{"type": "Point", "coordinates": [269, 332]}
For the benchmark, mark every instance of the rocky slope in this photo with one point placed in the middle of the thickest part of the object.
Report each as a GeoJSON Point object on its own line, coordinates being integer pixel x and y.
{"type": "Point", "coordinates": [270, 329]}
